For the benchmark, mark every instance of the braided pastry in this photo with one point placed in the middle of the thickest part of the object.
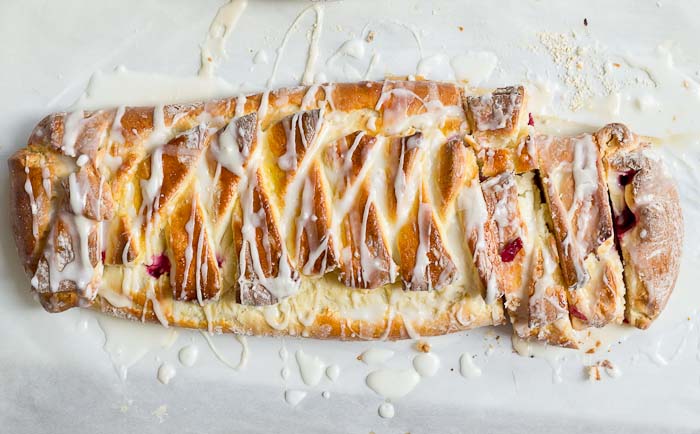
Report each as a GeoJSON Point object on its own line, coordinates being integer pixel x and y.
{"type": "Point", "coordinates": [354, 211]}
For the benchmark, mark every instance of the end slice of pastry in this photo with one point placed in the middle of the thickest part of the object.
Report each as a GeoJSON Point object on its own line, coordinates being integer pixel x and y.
{"type": "Point", "coordinates": [648, 221]}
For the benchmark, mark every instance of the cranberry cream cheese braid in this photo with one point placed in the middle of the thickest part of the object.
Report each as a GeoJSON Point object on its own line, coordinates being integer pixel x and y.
{"type": "Point", "coordinates": [372, 210]}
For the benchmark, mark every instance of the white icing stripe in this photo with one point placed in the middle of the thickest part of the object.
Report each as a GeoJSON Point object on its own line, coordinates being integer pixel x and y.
{"type": "Point", "coordinates": [189, 228]}
{"type": "Point", "coordinates": [584, 170]}
{"type": "Point", "coordinates": [71, 129]}
{"type": "Point", "coordinates": [29, 189]}
{"type": "Point", "coordinates": [471, 201]}
{"type": "Point", "coordinates": [421, 270]}
{"type": "Point", "coordinates": [115, 133]}
{"type": "Point", "coordinates": [150, 192]}
{"type": "Point", "coordinates": [159, 133]}
{"type": "Point", "coordinates": [240, 105]}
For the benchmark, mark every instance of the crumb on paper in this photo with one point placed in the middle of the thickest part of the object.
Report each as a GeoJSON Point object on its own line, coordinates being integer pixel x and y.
{"type": "Point", "coordinates": [593, 373]}
{"type": "Point", "coordinates": [461, 28]}
{"type": "Point", "coordinates": [590, 351]}
{"type": "Point", "coordinates": [585, 22]}
{"type": "Point", "coordinates": [610, 369]}
{"type": "Point", "coordinates": [584, 66]}
{"type": "Point", "coordinates": [423, 346]}
{"type": "Point", "coordinates": [370, 36]}
{"type": "Point", "coordinates": [161, 413]}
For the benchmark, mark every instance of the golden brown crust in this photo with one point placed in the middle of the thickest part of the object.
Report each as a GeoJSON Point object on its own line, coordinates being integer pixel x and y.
{"type": "Point", "coordinates": [230, 214]}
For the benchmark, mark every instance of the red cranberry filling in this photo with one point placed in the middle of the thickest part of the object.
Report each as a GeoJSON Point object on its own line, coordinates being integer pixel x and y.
{"type": "Point", "coordinates": [219, 260]}
{"type": "Point", "coordinates": [624, 221]}
{"type": "Point", "coordinates": [159, 266]}
{"type": "Point", "coordinates": [577, 313]}
{"type": "Point", "coordinates": [530, 120]}
{"type": "Point", "coordinates": [104, 255]}
{"type": "Point", "coordinates": [511, 249]}
{"type": "Point", "coordinates": [626, 178]}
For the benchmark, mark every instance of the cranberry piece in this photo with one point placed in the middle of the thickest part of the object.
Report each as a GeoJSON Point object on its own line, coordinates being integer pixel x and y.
{"type": "Point", "coordinates": [104, 255]}
{"type": "Point", "coordinates": [219, 260]}
{"type": "Point", "coordinates": [511, 249]}
{"type": "Point", "coordinates": [530, 120]}
{"type": "Point", "coordinates": [160, 265]}
{"type": "Point", "coordinates": [577, 313]}
{"type": "Point", "coordinates": [626, 178]}
{"type": "Point", "coordinates": [624, 221]}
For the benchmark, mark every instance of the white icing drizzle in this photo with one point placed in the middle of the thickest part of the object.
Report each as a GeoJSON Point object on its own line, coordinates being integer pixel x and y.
{"type": "Point", "coordinates": [155, 303]}
{"type": "Point", "coordinates": [115, 299]}
{"type": "Point", "coordinates": [585, 173]}
{"type": "Point", "coordinates": [311, 56]}
{"type": "Point", "coordinates": [308, 77]}
{"type": "Point", "coordinates": [213, 49]}
{"type": "Point", "coordinates": [46, 180]}
{"type": "Point", "coordinates": [115, 133]}
{"type": "Point", "coordinates": [368, 262]}
{"type": "Point", "coordinates": [74, 266]}
{"type": "Point", "coordinates": [309, 99]}
{"type": "Point", "coordinates": [421, 270]}
{"type": "Point", "coordinates": [125, 252]}
{"type": "Point", "coordinates": [160, 131]}
{"type": "Point", "coordinates": [71, 129]}
{"type": "Point", "coordinates": [395, 118]}
{"type": "Point", "coordinates": [288, 161]}
{"type": "Point", "coordinates": [226, 150]}
{"type": "Point", "coordinates": [286, 282]}
{"type": "Point", "coordinates": [189, 228]}
{"type": "Point", "coordinates": [471, 201]}
{"type": "Point", "coordinates": [201, 264]}
{"type": "Point", "coordinates": [150, 191]}
{"type": "Point", "coordinates": [240, 105]}
{"type": "Point", "coordinates": [503, 207]}
{"type": "Point", "coordinates": [501, 112]}
{"type": "Point", "coordinates": [33, 206]}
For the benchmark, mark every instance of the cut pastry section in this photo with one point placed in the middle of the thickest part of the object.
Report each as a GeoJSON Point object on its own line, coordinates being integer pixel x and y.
{"type": "Point", "coordinates": [573, 179]}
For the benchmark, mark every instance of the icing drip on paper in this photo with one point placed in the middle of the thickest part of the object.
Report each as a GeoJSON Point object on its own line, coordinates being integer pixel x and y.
{"type": "Point", "coordinates": [310, 367]}
{"type": "Point", "coordinates": [242, 361]}
{"type": "Point", "coordinates": [213, 49]}
{"type": "Point", "coordinates": [166, 372]}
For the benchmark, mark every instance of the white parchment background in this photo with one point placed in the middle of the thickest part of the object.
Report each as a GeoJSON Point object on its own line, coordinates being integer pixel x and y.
{"type": "Point", "coordinates": [54, 374]}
